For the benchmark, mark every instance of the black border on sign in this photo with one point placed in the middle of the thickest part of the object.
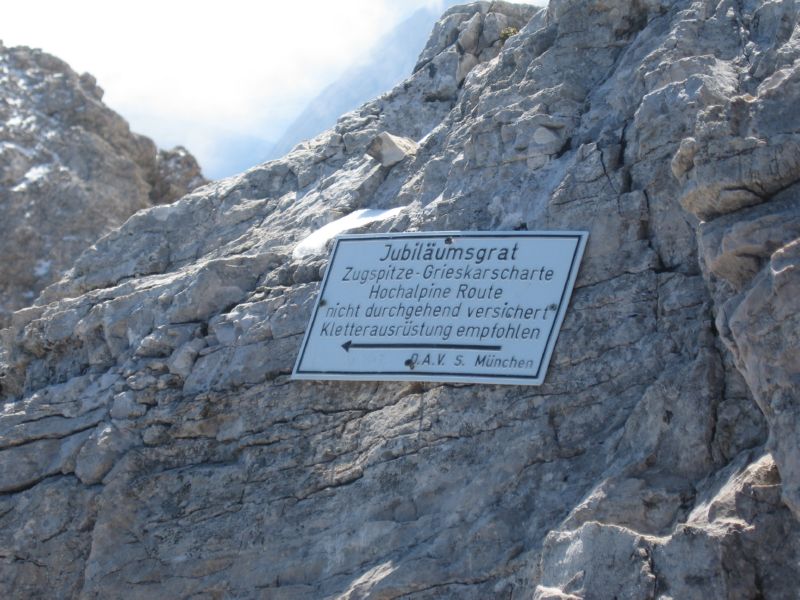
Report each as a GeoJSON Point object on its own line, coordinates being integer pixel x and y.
{"type": "Point", "coordinates": [444, 376]}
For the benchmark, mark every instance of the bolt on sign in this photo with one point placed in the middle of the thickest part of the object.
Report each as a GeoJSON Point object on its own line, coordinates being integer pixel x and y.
{"type": "Point", "coordinates": [472, 307]}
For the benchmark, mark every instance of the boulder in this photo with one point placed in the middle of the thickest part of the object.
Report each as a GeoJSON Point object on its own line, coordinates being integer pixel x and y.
{"type": "Point", "coordinates": [390, 149]}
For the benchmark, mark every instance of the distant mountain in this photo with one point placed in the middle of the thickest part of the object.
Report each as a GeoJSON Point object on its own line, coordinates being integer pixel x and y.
{"type": "Point", "coordinates": [391, 61]}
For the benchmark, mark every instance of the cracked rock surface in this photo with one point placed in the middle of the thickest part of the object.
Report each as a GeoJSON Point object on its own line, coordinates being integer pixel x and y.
{"type": "Point", "coordinates": [153, 444]}
{"type": "Point", "coordinates": [70, 172]}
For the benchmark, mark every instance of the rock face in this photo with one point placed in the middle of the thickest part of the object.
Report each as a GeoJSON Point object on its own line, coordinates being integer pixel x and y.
{"type": "Point", "coordinates": [154, 445]}
{"type": "Point", "coordinates": [70, 172]}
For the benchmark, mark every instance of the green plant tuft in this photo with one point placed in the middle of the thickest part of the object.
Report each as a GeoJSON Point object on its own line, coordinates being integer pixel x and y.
{"type": "Point", "coordinates": [507, 32]}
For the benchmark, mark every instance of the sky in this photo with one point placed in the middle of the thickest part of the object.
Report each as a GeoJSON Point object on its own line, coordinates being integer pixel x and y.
{"type": "Point", "coordinates": [207, 74]}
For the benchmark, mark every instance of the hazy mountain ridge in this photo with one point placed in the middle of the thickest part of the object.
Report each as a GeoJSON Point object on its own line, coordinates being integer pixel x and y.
{"type": "Point", "coordinates": [388, 63]}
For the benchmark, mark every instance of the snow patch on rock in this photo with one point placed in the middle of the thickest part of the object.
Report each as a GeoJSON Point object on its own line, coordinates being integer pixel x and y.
{"type": "Point", "coordinates": [315, 243]}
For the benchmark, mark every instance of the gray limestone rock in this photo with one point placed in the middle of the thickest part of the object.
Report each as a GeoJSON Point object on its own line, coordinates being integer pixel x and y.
{"type": "Point", "coordinates": [153, 443]}
{"type": "Point", "coordinates": [390, 149]}
{"type": "Point", "coordinates": [176, 173]}
{"type": "Point", "coordinates": [70, 172]}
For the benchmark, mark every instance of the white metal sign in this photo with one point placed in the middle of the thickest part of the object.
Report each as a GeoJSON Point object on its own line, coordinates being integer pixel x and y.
{"type": "Point", "coordinates": [479, 307]}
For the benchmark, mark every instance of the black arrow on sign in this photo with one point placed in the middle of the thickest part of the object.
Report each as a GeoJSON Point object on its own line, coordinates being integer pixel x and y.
{"type": "Point", "coordinates": [351, 344]}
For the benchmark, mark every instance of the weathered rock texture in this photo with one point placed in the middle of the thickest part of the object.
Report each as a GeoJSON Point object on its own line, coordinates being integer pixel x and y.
{"type": "Point", "coordinates": [154, 445]}
{"type": "Point", "coordinates": [70, 172]}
